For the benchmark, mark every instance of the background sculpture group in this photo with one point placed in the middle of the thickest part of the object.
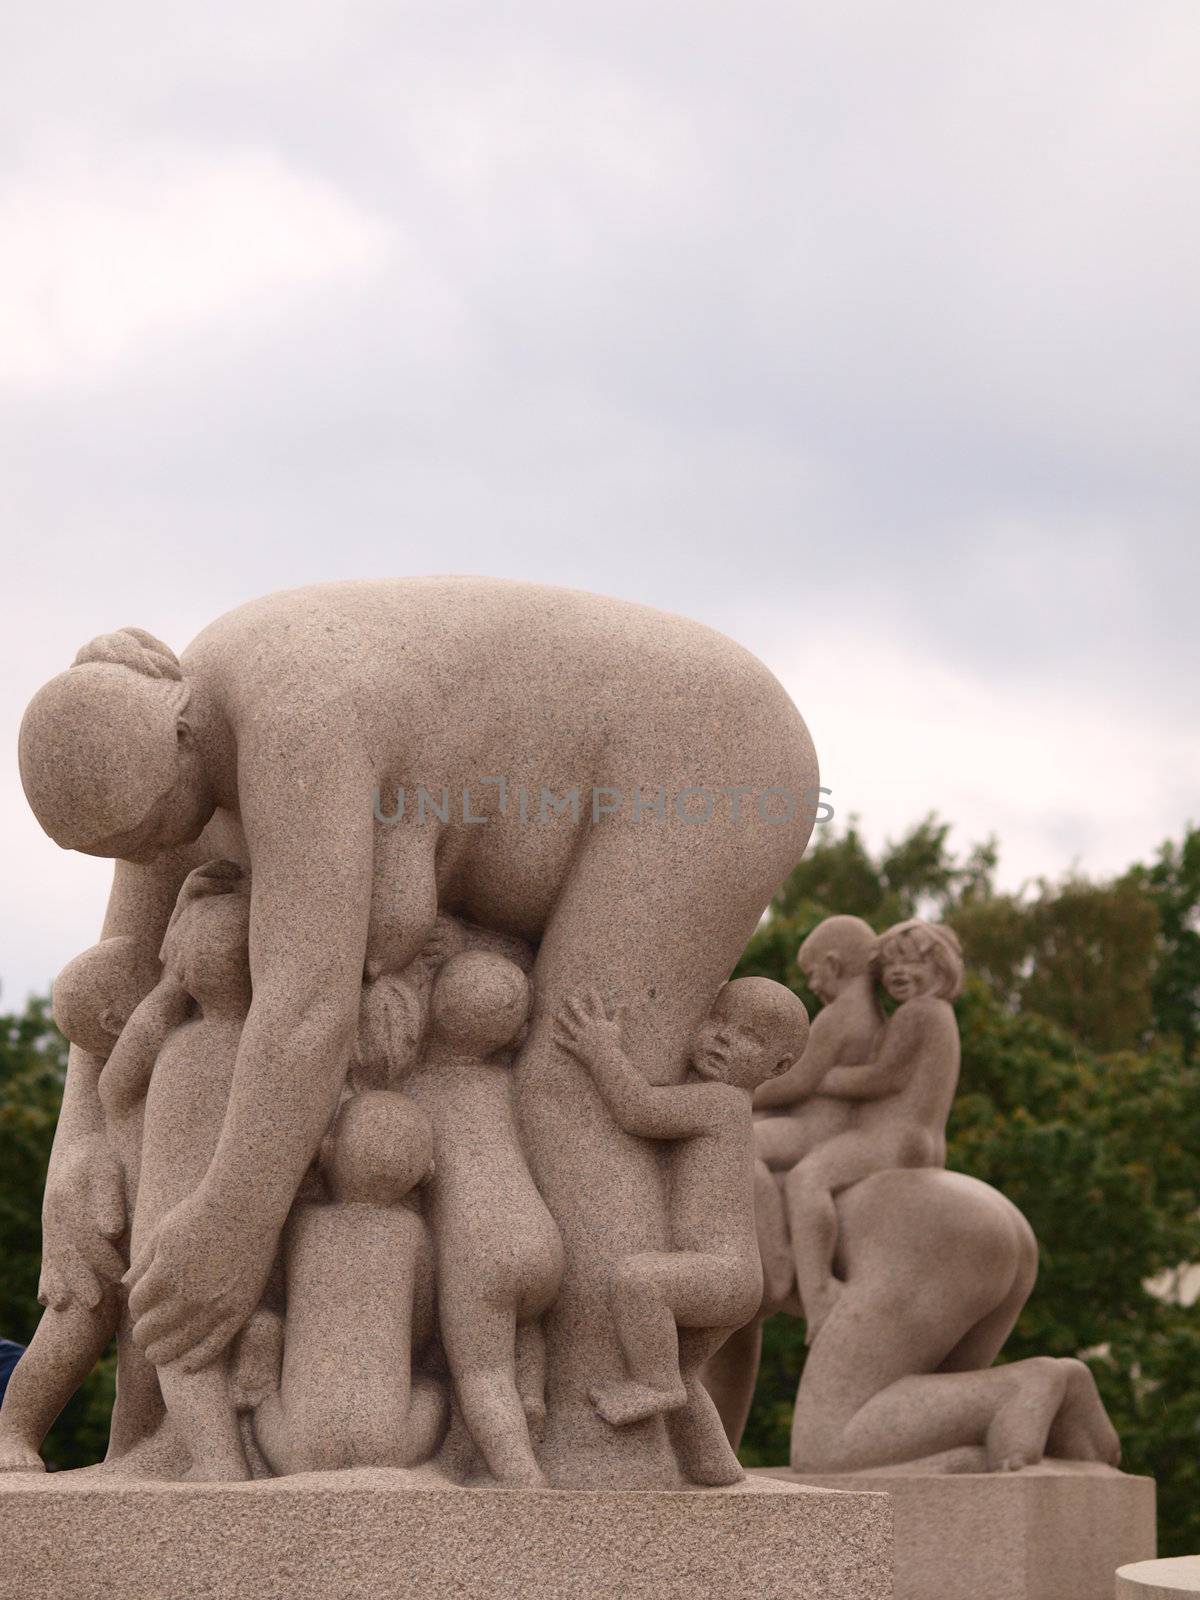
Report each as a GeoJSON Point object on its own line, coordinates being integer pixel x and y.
{"type": "Point", "coordinates": [910, 1277]}
{"type": "Point", "coordinates": [431, 1145]}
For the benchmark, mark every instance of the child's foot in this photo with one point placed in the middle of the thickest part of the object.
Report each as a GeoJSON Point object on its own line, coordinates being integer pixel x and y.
{"type": "Point", "coordinates": [257, 1360]}
{"type": "Point", "coordinates": [1018, 1432]}
{"type": "Point", "coordinates": [18, 1455]}
{"type": "Point", "coordinates": [818, 1306]}
{"type": "Point", "coordinates": [1081, 1431]}
{"type": "Point", "coordinates": [623, 1403]}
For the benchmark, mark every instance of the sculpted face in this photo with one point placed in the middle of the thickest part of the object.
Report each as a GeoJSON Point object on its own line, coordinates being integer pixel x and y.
{"type": "Point", "coordinates": [178, 816]}
{"type": "Point", "coordinates": [822, 972]}
{"type": "Point", "coordinates": [757, 1029]}
{"type": "Point", "coordinates": [837, 951]}
{"type": "Point", "coordinates": [110, 765]}
{"type": "Point", "coordinates": [908, 969]}
{"type": "Point", "coordinates": [207, 944]}
{"type": "Point", "coordinates": [738, 1054]}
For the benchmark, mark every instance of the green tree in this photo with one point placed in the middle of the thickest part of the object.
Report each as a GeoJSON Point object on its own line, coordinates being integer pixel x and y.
{"type": "Point", "coordinates": [1173, 884]}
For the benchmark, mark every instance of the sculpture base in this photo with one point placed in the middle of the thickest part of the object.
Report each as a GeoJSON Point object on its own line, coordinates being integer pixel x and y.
{"type": "Point", "coordinates": [1159, 1580]}
{"type": "Point", "coordinates": [373, 1535]}
{"type": "Point", "coordinates": [1054, 1532]}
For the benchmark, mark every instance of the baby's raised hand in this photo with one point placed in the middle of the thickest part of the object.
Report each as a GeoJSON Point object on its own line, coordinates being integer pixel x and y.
{"type": "Point", "coordinates": [586, 1024]}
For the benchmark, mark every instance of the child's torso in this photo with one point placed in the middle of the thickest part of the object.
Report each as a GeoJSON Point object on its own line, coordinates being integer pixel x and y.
{"type": "Point", "coordinates": [185, 1110]}
{"type": "Point", "coordinates": [712, 1189]}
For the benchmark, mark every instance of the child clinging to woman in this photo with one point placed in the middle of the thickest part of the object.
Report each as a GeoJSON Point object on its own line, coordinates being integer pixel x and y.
{"type": "Point", "coordinates": [93, 999]}
{"type": "Point", "coordinates": [498, 1249]}
{"type": "Point", "coordinates": [711, 1278]}
{"type": "Point", "coordinates": [206, 953]}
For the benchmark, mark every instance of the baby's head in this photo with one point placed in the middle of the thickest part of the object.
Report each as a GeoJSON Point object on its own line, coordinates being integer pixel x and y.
{"type": "Point", "coordinates": [838, 949]}
{"type": "Point", "coordinates": [480, 1003]}
{"type": "Point", "coordinates": [755, 1030]}
{"type": "Point", "coordinates": [207, 942]}
{"type": "Point", "coordinates": [391, 1025]}
{"type": "Point", "coordinates": [380, 1149]}
{"type": "Point", "coordinates": [921, 958]}
{"type": "Point", "coordinates": [94, 995]}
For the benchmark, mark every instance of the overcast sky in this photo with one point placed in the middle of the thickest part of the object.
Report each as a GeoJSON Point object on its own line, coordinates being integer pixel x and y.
{"type": "Point", "coordinates": [866, 332]}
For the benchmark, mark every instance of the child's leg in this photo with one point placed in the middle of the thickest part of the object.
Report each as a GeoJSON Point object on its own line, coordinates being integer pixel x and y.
{"type": "Point", "coordinates": [774, 1243]}
{"type": "Point", "coordinates": [697, 1429]}
{"type": "Point", "coordinates": [729, 1376]}
{"type": "Point", "coordinates": [427, 1408]}
{"type": "Point", "coordinates": [63, 1350]}
{"type": "Point", "coordinates": [651, 1296]}
{"type": "Point", "coordinates": [138, 1408]}
{"type": "Point", "coordinates": [272, 1435]}
{"type": "Point", "coordinates": [201, 1407]}
{"type": "Point", "coordinates": [704, 1451]}
{"type": "Point", "coordinates": [480, 1343]}
{"type": "Point", "coordinates": [781, 1142]}
{"type": "Point", "coordinates": [531, 1372]}
{"type": "Point", "coordinates": [812, 1217]}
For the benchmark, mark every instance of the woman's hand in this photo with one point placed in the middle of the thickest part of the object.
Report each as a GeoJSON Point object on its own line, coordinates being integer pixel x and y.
{"type": "Point", "coordinates": [82, 1214]}
{"type": "Point", "coordinates": [196, 1282]}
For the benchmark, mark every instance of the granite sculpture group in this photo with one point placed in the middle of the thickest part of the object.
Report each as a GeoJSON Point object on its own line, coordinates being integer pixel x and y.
{"type": "Point", "coordinates": [449, 1146]}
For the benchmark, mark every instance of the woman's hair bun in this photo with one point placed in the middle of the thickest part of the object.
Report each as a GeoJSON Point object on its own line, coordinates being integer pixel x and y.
{"type": "Point", "coordinates": [133, 648]}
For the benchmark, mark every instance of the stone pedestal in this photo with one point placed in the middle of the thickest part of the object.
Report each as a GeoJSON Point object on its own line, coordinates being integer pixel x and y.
{"type": "Point", "coordinates": [372, 1535]}
{"type": "Point", "coordinates": [1159, 1580]}
{"type": "Point", "coordinates": [1054, 1532]}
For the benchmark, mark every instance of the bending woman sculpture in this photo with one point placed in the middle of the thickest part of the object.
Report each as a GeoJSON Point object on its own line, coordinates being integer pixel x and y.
{"type": "Point", "coordinates": [569, 748]}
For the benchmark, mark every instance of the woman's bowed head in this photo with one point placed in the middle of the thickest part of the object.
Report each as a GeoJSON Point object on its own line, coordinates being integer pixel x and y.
{"type": "Point", "coordinates": [109, 753]}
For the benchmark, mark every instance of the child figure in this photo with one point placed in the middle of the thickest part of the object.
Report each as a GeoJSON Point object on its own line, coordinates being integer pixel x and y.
{"type": "Point", "coordinates": [898, 1103]}
{"type": "Point", "coordinates": [499, 1253]}
{"type": "Point", "coordinates": [359, 1274]}
{"type": "Point", "coordinates": [206, 952]}
{"type": "Point", "coordinates": [793, 1117]}
{"type": "Point", "coordinates": [712, 1278]}
{"type": "Point", "coordinates": [838, 960]}
{"type": "Point", "coordinates": [94, 997]}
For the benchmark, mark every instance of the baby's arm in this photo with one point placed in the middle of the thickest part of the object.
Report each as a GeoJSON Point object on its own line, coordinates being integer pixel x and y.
{"type": "Point", "coordinates": [806, 1075]}
{"type": "Point", "coordinates": [127, 1070]}
{"type": "Point", "coordinates": [888, 1073]}
{"type": "Point", "coordinates": [586, 1030]}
